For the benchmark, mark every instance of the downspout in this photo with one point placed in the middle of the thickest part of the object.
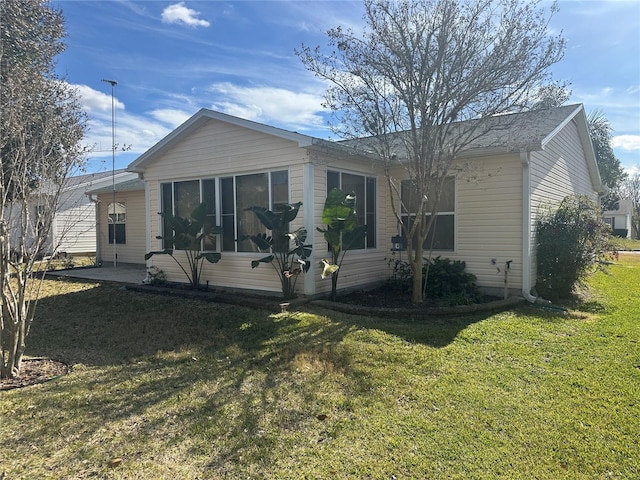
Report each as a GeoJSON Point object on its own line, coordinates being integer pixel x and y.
{"type": "Point", "coordinates": [94, 199]}
{"type": "Point", "coordinates": [526, 227]}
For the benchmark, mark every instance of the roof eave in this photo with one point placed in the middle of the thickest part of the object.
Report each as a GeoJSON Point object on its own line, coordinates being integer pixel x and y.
{"type": "Point", "coordinates": [582, 123]}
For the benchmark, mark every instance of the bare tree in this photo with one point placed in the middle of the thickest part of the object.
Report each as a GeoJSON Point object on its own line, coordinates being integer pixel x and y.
{"type": "Point", "coordinates": [41, 126]}
{"type": "Point", "coordinates": [631, 190]}
{"type": "Point", "coordinates": [421, 83]}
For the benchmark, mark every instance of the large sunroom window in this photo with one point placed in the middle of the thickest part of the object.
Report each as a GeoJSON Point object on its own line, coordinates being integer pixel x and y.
{"type": "Point", "coordinates": [244, 191]}
{"type": "Point", "coordinates": [365, 189]}
{"type": "Point", "coordinates": [181, 198]}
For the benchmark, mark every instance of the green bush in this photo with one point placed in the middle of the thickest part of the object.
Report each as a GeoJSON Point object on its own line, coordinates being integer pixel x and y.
{"type": "Point", "coordinates": [572, 242]}
{"type": "Point", "coordinates": [447, 281]}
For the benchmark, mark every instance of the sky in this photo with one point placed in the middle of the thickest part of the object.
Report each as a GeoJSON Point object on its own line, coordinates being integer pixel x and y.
{"type": "Point", "coordinates": [171, 58]}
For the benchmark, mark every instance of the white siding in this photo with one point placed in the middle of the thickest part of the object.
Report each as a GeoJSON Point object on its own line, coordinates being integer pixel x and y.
{"type": "Point", "coordinates": [134, 249]}
{"type": "Point", "coordinates": [488, 214]}
{"type": "Point", "coordinates": [488, 220]}
{"type": "Point", "coordinates": [557, 171]}
{"type": "Point", "coordinates": [75, 220]}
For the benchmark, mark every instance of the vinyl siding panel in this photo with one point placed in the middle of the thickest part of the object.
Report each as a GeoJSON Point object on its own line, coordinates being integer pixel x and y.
{"type": "Point", "coordinates": [559, 170]}
{"type": "Point", "coordinates": [556, 172]}
{"type": "Point", "coordinates": [488, 220]}
{"type": "Point", "coordinates": [75, 223]}
{"type": "Point", "coordinates": [134, 249]}
{"type": "Point", "coordinates": [217, 150]}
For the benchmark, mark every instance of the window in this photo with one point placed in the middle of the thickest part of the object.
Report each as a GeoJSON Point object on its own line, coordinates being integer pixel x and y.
{"type": "Point", "coordinates": [442, 231]}
{"type": "Point", "coordinates": [181, 198]}
{"type": "Point", "coordinates": [117, 219]}
{"type": "Point", "coordinates": [245, 191]}
{"type": "Point", "coordinates": [365, 191]}
{"type": "Point", "coordinates": [227, 197]}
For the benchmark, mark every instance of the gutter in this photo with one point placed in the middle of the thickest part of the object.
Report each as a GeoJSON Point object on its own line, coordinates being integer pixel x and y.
{"type": "Point", "coordinates": [526, 227]}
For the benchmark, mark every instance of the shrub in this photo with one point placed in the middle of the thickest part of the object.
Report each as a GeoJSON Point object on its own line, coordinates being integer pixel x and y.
{"type": "Point", "coordinates": [447, 281]}
{"type": "Point", "coordinates": [572, 242]}
{"type": "Point", "coordinates": [401, 275]}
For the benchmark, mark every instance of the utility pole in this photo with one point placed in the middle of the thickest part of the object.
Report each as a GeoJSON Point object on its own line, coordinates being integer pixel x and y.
{"type": "Point", "coordinates": [113, 84]}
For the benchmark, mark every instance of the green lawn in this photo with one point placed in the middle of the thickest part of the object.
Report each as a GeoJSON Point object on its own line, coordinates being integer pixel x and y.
{"type": "Point", "coordinates": [183, 389]}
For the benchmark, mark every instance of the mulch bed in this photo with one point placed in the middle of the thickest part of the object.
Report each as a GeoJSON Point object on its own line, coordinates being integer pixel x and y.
{"type": "Point", "coordinates": [34, 371]}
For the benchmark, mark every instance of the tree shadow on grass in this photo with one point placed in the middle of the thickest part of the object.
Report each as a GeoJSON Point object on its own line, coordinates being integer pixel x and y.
{"type": "Point", "coordinates": [234, 384]}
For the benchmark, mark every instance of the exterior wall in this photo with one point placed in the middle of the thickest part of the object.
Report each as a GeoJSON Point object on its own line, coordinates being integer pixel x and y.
{"type": "Point", "coordinates": [619, 221]}
{"type": "Point", "coordinates": [218, 149]}
{"type": "Point", "coordinates": [488, 221]}
{"type": "Point", "coordinates": [556, 172]}
{"type": "Point", "coordinates": [360, 267]}
{"type": "Point", "coordinates": [74, 229]}
{"type": "Point", "coordinates": [135, 247]}
{"type": "Point", "coordinates": [488, 205]}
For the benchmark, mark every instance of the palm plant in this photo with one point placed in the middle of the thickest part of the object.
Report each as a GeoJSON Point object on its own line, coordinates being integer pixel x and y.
{"type": "Point", "coordinates": [187, 234]}
{"type": "Point", "coordinates": [342, 232]}
{"type": "Point", "coordinates": [288, 260]}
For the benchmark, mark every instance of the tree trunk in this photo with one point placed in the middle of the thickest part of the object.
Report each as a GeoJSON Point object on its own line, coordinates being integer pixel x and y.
{"type": "Point", "coordinates": [334, 286]}
{"type": "Point", "coordinates": [415, 261]}
{"type": "Point", "coordinates": [416, 288]}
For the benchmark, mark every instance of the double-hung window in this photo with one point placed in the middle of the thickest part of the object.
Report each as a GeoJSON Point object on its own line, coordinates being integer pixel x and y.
{"type": "Point", "coordinates": [365, 190]}
{"type": "Point", "coordinates": [442, 233]}
{"type": "Point", "coordinates": [117, 218]}
{"type": "Point", "coordinates": [181, 198]}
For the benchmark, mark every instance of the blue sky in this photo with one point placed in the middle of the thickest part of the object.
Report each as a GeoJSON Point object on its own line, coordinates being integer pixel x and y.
{"type": "Point", "coordinates": [172, 58]}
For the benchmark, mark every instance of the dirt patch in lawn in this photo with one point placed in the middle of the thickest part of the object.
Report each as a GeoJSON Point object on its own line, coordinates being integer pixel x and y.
{"type": "Point", "coordinates": [34, 371]}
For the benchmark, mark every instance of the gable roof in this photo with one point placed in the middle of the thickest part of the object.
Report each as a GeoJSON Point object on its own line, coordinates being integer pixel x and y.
{"type": "Point", "coordinates": [201, 117]}
{"type": "Point", "coordinates": [127, 185]}
{"type": "Point", "coordinates": [625, 207]}
{"type": "Point", "coordinates": [516, 132]}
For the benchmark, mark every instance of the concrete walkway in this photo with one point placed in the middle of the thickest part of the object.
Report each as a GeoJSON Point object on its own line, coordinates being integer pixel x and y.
{"type": "Point", "coordinates": [123, 273]}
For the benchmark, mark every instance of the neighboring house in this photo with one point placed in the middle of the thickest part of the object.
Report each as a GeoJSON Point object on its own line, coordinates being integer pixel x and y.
{"type": "Point", "coordinates": [73, 226]}
{"type": "Point", "coordinates": [120, 226]}
{"type": "Point", "coordinates": [487, 216]}
{"type": "Point", "coordinates": [620, 219]}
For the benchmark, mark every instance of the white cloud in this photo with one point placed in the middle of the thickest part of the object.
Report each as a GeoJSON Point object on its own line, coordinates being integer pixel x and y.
{"type": "Point", "coordinates": [626, 142]}
{"type": "Point", "coordinates": [291, 110]}
{"type": "Point", "coordinates": [134, 132]}
{"type": "Point", "coordinates": [171, 117]}
{"type": "Point", "coordinates": [182, 15]}
{"type": "Point", "coordinates": [96, 101]}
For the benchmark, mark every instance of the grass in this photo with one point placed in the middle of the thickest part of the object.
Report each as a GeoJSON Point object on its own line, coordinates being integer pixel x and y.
{"type": "Point", "coordinates": [627, 243]}
{"type": "Point", "coordinates": [185, 389]}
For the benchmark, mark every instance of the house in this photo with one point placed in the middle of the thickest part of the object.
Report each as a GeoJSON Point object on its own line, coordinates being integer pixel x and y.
{"type": "Point", "coordinates": [529, 160]}
{"type": "Point", "coordinates": [120, 220]}
{"type": "Point", "coordinates": [73, 225]}
{"type": "Point", "coordinates": [620, 219]}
